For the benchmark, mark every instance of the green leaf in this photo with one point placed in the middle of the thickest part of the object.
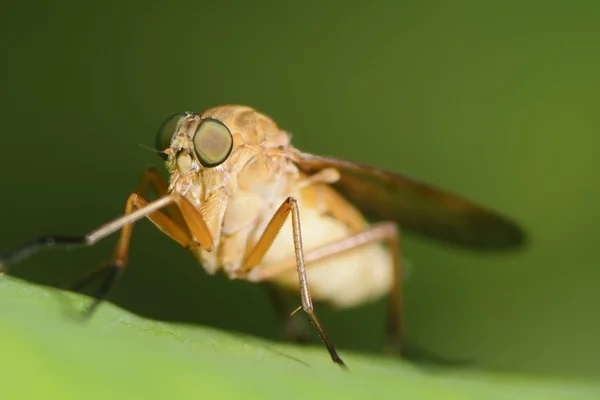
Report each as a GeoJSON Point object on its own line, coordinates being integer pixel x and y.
{"type": "Point", "coordinates": [47, 352]}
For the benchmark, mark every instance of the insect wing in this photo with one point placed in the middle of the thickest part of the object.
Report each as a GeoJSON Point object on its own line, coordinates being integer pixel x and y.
{"type": "Point", "coordinates": [417, 206]}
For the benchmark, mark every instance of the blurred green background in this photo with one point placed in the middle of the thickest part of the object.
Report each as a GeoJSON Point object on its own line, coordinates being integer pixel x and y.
{"type": "Point", "coordinates": [494, 100]}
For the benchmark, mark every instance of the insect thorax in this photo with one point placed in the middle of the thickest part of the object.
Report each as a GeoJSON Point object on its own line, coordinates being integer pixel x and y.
{"type": "Point", "coordinates": [237, 201]}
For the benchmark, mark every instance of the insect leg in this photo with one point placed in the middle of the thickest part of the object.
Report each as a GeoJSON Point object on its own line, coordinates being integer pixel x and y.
{"type": "Point", "coordinates": [263, 244]}
{"type": "Point", "coordinates": [152, 180]}
{"type": "Point", "coordinates": [192, 233]}
{"type": "Point", "coordinates": [386, 232]}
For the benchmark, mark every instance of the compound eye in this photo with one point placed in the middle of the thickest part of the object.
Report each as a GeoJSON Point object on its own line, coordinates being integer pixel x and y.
{"type": "Point", "coordinates": [165, 133]}
{"type": "Point", "coordinates": [212, 143]}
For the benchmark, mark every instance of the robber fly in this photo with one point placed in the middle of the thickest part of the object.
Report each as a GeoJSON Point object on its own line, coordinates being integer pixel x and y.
{"type": "Point", "coordinates": [246, 202]}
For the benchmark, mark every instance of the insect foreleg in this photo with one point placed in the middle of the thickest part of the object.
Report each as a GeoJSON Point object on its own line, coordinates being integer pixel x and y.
{"type": "Point", "coordinates": [290, 205]}
{"type": "Point", "coordinates": [191, 232]}
{"type": "Point", "coordinates": [386, 232]}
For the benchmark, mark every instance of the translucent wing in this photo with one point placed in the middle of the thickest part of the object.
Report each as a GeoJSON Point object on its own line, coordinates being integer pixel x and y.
{"type": "Point", "coordinates": [417, 206]}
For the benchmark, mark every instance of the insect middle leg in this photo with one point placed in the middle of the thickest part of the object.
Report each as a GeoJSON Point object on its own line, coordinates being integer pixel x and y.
{"type": "Point", "coordinates": [386, 232]}
{"type": "Point", "coordinates": [290, 205]}
{"type": "Point", "coordinates": [186, 227]}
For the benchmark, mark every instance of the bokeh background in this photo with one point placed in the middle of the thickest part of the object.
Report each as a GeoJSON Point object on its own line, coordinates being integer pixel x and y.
{"type": "Point", "coordinates": [494, 100]}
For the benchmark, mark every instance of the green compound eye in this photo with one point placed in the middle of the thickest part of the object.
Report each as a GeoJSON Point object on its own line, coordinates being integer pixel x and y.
{"type": "Point", "coordinates": [166, 132]}
{"type": "Point", "coordinates": [212, 143]}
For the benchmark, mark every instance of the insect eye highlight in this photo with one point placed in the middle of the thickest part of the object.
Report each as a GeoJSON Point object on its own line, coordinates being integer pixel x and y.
{"type": "Point", "coordinates": [212, 143]}
{"type": "Point", "coordinates": [165, 133]}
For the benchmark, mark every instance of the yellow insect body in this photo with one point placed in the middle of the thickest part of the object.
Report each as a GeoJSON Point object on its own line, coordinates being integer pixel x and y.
{"type": "Point", "coordinates": [246, 202]}
{"type": "Point", "coordinates": [238, 198]}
